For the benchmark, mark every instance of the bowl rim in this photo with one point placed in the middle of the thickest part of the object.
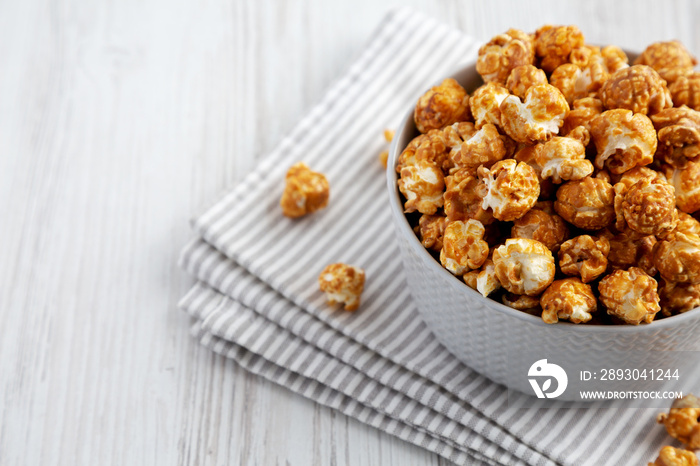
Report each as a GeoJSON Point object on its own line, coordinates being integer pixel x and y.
{"type": "Point", "coordinates": [404, 228]}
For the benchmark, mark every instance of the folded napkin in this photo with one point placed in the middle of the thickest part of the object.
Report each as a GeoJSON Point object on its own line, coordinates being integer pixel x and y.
{"type": "Point", "coordinates": [258, 300]}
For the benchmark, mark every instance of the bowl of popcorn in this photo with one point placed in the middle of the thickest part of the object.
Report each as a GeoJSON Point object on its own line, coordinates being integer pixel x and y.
{"type": "Point", "coordinates": [545, 200]}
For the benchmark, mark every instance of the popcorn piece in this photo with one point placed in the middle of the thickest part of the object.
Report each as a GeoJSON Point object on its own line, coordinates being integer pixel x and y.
{"type": "Point", "coordinates": [384, 157]}
{"type": "Point", "coordinates": [563, 158]}
{"type": "Point", "coordinates": [582, 114]}
{"type": "Point", "coordinates": [455, 136]}
{"type": "Point", "coordinates": [343, 284]}
{"type": "Point", "coordinates": [528, 154]}
{"type": "Point", "coordinates": [624, 140]}
{"type": "Point", "coordinates": [677, 298]}
{"type": "Point", "coordinates": [682, 422]}
{"type": "Point", "coordinates": [422, 184]}
{"type": "Point", "coordinates": [503, 53]}
{"type": "Point", "coordinates": [389, 135]}
{"type": "Point", "coordinates": [678, 257]}
{"type": "Point", "coordinates": [487, 280]}
{"type": "Point", "coordinates": [669, 456]}
{"type": "Point", "coordinates": [484, 148]}
{"type": "Point", "coordinates": [630, 295]}
{"type": "Point", "coordinates": [614, 58]}
{"type": "Point", "coordinates": [523, 78]}
{"type": "Point", "coordinates": [647, 207]}
{"type": "Point", "coordinates": [679, 135]}
{"type": "Point", "coordinates": [577, 83]}
{"type": "Point", "coordinates": [521, 302]}
{"type": "Point", "coordinates": [463, 246]}
{"type": "Point", "coordinates": [524, 266]}
{"type": "Point", "coordinates": [554, 44]}
{"type": "Point", "coordinates": [685, 90]}
{"type": "Point", "coordinates": [586, 203]}
{"type": "Point", "coordinates": [548, 229]}
{"type": "Point", "coordinates": [584, 256]}
{"type": "Point", "coordinates": [510, 189]}
{"type": "Point", "coordinates": [638, 88]}
{"type": "Point", "coordinates": [686, 185]}
{"type": "Point", "coordinates": [485, 104]}
{"type": "Point", "coordinates": [536, 119]}
{"type": "Point", "coordinates": [461, 199]}
{"type": "Point", "coordinates": [669, 59]}
{"type": "Point", "coordinates": [629, 248]}
{"type": "Point", "coordinates": [687, 224]}
{"type": "Point", "coordinates": [568, 299]}
{"type": "Point", "coordinates": [431, 147]}
{"type": "Point", "coordinates": [305, 191]}
{"type": "Point", "coordinates": [431, 229]}
{"type": "Point", "coordinates": [441, 106]}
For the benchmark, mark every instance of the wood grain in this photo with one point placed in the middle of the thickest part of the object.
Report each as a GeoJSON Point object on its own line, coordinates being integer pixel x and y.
{"type": "Point", "coordinates": [118, 121]}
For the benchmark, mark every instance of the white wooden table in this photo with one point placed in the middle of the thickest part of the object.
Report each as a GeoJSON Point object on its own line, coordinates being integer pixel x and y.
{"type": "Point", "coordinates": [117, 121]}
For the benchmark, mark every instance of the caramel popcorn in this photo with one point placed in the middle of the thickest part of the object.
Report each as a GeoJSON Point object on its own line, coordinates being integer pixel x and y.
{"type": "Point", "coordinates": [682, 422]}
{"type": "Point", "coordinates": [486, 279]}
{"type": "Point", "coordinates": [629, 248]}
{"type": "Point", "coordinates": [524, 266]}
{"type": "Point", "coordinates": [503, 53]}
{"type": "Point", "coordinates": [577, 83]}
{"type": "Point", "coordinates": [568, 299]}
{"type": "Point", "coordinates": [422, 184]}
{"type": "Point", "coordinates": [343, 284]}
{"type": "Point", "coordinates": [484, 148]}
{"type": "Point", "coordinates": [678, 257]}
{"type": "Point", "coordinates": [686, 185]}
{"type": "Point", "coordinates": [624, 140]}
{"type": "Point", "coordinates": [685, 90]}
{"type": "Point", "coordinates": [461, 199]}
{"type": "Point", "coordinates": [547, 228]}
{"type": "Point", "coordinates": [677, 298]}
{"type": "Point", "coordinates": [454, 136]}
{"type": "Point", "coordinates": [614, 58]}
{"type": "Point", "coordinates": [584, 256]}
{"type": "Point", "coordinates": [431, 229]}
{"type": "Point", "coordinates": [305, 191]}
{"type": "Point", "coordinates": [384, 155]}
{"type": "Point", "coordinates": [679, 135]}
{"type": "Point", "coordinates": [582, 114]}
{"type": "Point", "coordinates": [554, 44]}
{"type": "Point", "coordinates": [669, 59]}
{"type": "Point", "coordinates": [441, 106]}
{"type": "Point", "coordinates": [563, 158]}
{"type": "Point", "coordinates": [630, 295]}
{"type": "Point", "coordinates": [687, 224]}
{"type": "Point", "coordinates": [523, 77]}
{"type": "Point", "coordinates": [537, 118]}
{"type": "Point", "coordinates": [463, 246]}
{"type": "Point", "coordinates": [509, 188]}
{"type": "Point", "coordinates": [586, 203]}
{"type": "Point", "coordinates": [485, 104]}
{"type": "Point", "coordinates": [521, 302]}
{"type": "Point", "coordinates": [431, 147]}
{"type": "Point", "coordinates": [528, 154]}
{"type": "Point", "coordinates": [638, 88]}
{"type": "Point", "coordinates": [669, 456]}
{"type": "Point", "coordinates": [647, 207]}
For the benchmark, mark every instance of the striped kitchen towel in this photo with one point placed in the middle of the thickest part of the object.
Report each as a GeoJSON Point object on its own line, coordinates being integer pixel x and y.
{"type": "Point", "coordinates": [258, 299]}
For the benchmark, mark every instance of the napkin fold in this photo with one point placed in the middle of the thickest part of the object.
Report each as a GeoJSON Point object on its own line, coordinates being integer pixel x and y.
{"type": "Point", "coordinates": [257, 299]}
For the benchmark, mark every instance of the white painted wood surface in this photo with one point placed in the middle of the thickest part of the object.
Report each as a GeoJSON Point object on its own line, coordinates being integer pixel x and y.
{"type": "Point", "coordinates": [117, 121]}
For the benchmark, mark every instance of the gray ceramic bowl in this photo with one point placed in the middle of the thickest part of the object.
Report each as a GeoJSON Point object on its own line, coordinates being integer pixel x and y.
{"type": "Point", "coordinates": [502, 343]}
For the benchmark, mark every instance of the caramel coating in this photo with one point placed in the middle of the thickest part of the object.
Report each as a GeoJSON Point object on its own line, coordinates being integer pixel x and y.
{"type": "Point", "coordinates": [630, 295]}
{"type": "Point", "coordinates": [523, 77]}
{"type": "Point", "coordinates": [678, 257]}
{"type": "Point", "coordinates": [577, 83]}
{"type": "Point", "coordinates": [677, 298]}
{"type": "Point", "coordinates": [629, 248]}
{"type": "Point", "coordinates": [584, 256]}
{"type": "Point", "coordinates": [461, 199]}
{"type": "Point", "coordinates": [582, 114]}
{"type": "Point", "coordinates": [454, 136]}
{"type": "Point", "coordinates": [686, 185]}
{"type": "Point", "coordinates": [486, 147]}
{"type": "Point", "coordinates": [537, 118]}
{"type": "Point", "coordinates": [547, 228]}
{"type": "Point", "coordinates": [503, 53]}
{"type": "Point", "coordinates": [638, 88]}
{"type": "Point", "coordinates": [647, 207]}
{"type": "Point", "coordinates": [682, 422]}
{"type": "Point", "coordinates": [305, 191]}
{"type": "Point", "coordinates": [687, 224]}
{"type": "Point", "coordinates": [343, 284]}
{"type": "Point", "coordinates": [568, 299]}
{"type": "Point", "coordinates": [624, 140]}
{"type": "Point", "coordinates": [669, 59]}
{"type": "Point", "coordinates": [485, 104]}
{"type": "Point", "coordinates": [554, 44]}
{"type": "Point", "coordinates": [678, 134]}
{"type": "Point", "coordinates": [509, 188]}
{"type": "Point", "coordinates": [685, 90]}
{"type": "Point", "coordinates": [431, 229]}
{"type": "Point", "coordinates": [670, 456]}
{"type": "Point", "coordinates": [524, 266]}
{"type": "Point", "coordinates": [521, 302]}
{"type": "Point", "coordinates": [463, 246]}
{"type": "Point", "coordinates": [422, 184]}
{"type": "Point", "coordinates": [614, 58]}
{"type": "Point", "coordinates": [563, 158]}
{"type": "Point", "coordinates": [431, 147]}
{"type": "Point", "coordinates": [586, 203]}
{"type": "Point", "coordinates": [441, 106]}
